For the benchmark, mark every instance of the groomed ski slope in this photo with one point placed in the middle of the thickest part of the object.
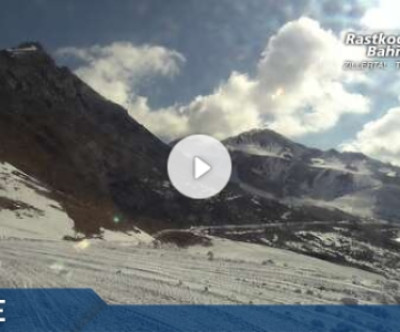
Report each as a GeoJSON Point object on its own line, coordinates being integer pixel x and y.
{"type": "Point", "coordinates": [121, 272]}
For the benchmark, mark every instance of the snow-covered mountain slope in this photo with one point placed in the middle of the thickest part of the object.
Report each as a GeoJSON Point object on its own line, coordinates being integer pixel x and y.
{"type": "Point", "coordinates": [28, 210]}
{"type": "Point", "coordinates": [236, 273]}
{"type": "Point", "coordinates": [372, 246]}
{"type": "Point", "coordinates": [296, 175]}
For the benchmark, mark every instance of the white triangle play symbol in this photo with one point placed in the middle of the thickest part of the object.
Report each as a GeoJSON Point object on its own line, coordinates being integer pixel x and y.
{"type": "Point", "coordinates": [200, 167]}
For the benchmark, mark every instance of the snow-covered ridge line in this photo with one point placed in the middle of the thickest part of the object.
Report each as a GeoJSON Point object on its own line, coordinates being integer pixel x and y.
{"type": "Point", "coordinates": [257, 150]}
{"type": "Point", "coordinates": [30, 48]}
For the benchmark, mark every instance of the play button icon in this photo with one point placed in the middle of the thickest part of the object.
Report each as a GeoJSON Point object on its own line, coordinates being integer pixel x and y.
{"type": "Point", "coordinates": [199, 166]}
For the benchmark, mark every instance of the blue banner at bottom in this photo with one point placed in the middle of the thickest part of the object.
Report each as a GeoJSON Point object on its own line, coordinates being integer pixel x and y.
{"type": "Point", "coordinates": [82, 310]}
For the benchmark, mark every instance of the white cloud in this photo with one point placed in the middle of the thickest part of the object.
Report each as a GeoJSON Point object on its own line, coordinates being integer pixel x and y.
{"type": "Point", "coordinates": [230, 109]}
{"type": "Point", "coordinates": [167, 123]}
{"type": "Point", "coordinates": [379, 138]}
{"type": "Point", "coordinates": [117, 71]}
{"type": "Point", "coordinates": [299, 86]}
{"type": "Point", "coordinates": [305, 62]}
{"type": "Point", "coordinates": [383, 16]}
{"type": "Point", "coordinates": [298, 89]}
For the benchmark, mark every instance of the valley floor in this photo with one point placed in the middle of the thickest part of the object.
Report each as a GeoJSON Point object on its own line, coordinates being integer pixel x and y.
{"type": "Point", "coordinates": [235, 272]}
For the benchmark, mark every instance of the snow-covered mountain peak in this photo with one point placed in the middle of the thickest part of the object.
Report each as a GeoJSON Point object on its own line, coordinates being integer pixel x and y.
{"type": "Point", "coordinates": [265, 142]}
{"type": "Point", "coordinates": [271, 164]}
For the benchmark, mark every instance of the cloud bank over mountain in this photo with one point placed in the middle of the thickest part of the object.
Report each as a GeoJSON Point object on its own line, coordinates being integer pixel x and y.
{"type": "Point", "coordinates": [379, 138]}
{"type": "Point", "coordinates": [299, 86]}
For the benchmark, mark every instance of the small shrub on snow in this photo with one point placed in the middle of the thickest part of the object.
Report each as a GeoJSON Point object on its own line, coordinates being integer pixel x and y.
{"type": "Point", "coordinates": [268, 262]}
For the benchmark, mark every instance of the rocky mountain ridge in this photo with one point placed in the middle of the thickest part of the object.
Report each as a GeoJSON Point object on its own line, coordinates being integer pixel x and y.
{"type": "Point", "coordinates": [104, 168]}
{"type": "Point", "coordinates": [272, 165]}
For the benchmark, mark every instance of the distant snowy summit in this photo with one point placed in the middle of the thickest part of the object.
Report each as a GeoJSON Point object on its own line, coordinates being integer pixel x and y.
{"type": "Point", "coordinates": [24, 48]}
{"type": "Point", "coordinates": [270, 164]}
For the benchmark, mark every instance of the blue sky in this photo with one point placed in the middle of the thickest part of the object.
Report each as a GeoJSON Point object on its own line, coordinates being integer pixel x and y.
{"type": "Point", "coordinates": [205, 62]}
{"type": "Point", "coordinates": [216, 37]}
